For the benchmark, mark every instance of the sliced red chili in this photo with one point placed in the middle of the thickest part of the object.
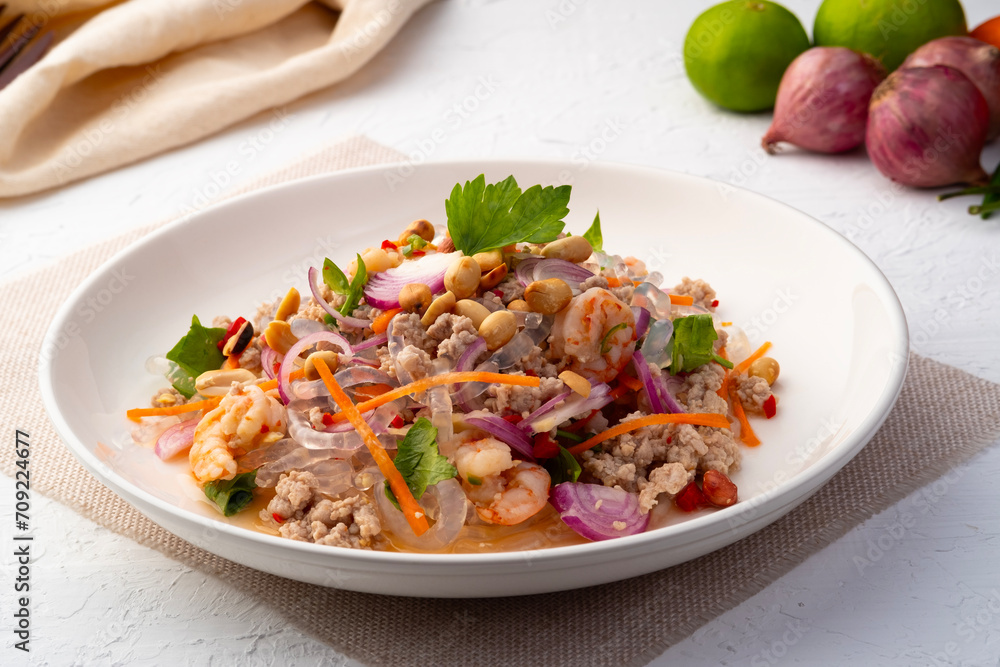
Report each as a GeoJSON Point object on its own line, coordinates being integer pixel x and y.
{"type": "Point", "coordinates": [545, 447]}
{"type": "Point", "coordinates": [264, 428]}
{"type": "Point", "coordinates": [770, 406]}
{"type": "Point", "coordinates": [327, 419]}
{"type": "Point", "coordinates": [691, 498]}
{"type": "Point", "coordinates": [389, 245]}
{"type": "Point", "coordinates": [418, 253]}
{"type": "Point", "coordinates": [580, 423]}
{"type": "Point", "coordinates": [231, 331]}
{"type": "Point", "coordinates": [513, 419]}
{"type": "Point", "coordinates": [396, 422]}
{"type": "Point", "coordinates": [715, 303]}
{"type": "Point", "coordinates": [277, 517]}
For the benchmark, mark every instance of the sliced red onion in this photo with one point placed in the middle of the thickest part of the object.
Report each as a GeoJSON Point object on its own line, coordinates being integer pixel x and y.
{"type": "Point", "coordinates": [642, 317]}
{"type": "Point", "coordinates": [346, 321]}
{"type": "Point", "coordinates": [598, 512]}
{"type": "Point", "coordinates": [600, 395]}
{"type": "Point", "coordinates": [382, 289]}
{"type": "Point", "coordinates": [544, 409]}
{"type": "Point", "coordinates": [175, 439]}
{"type": "Point", "coordinates": [504, 431]}
{"type": "Point", "coordinates": [573, 274]}
{"type": "Point", "coordinates": [372, 363]}
{"type": "Point", "coordinates": [268, 357]}
{"type": "Point", "coordinates": [525, 270]}
{"type": "Point", "coordinates": [642, 370]}
{"type": "Point", "coordinates": [473, 352]}
{"type": "Point", "coordinates": [374, 341]}
{"type": "Point", "coordinates": [669, 402]}
{"type": "Point", "coordinates": [288, 363]}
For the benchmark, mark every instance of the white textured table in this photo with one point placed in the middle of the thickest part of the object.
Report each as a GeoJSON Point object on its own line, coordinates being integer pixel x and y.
{"type": "Point", "coordinates": [583, 80]}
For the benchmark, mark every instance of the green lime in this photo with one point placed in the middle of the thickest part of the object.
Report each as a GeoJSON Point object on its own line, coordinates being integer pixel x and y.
{"type": "Point", "coordinates": [888, 29]}
{"type": "Point", "coordinates": [736, 52]}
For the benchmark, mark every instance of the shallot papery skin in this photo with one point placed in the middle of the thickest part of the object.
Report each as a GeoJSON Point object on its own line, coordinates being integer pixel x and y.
{"type": "Point", "coordinates": [975, 59]}
{"type": "Point", "coordinates": [822, 103]}
{"type": "Point", "coordinates": [927, 127]}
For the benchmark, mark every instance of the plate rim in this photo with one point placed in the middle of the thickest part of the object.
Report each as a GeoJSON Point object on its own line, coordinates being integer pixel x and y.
{"type": "Point", "coordinates": [764, 503]}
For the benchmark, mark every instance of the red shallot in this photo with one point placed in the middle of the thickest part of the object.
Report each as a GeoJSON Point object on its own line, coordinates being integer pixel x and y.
{"type": "Point", "coordinates": [977, 60]}
{"type": "Point", "coordinates": [927, 127]}
{"type": "Point", "coordinates": [823, 100]}
{"type": "Point", "coordinates": [598, 512]}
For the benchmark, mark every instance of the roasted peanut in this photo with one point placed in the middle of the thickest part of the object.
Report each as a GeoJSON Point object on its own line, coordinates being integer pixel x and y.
{"type": "Point", "coordinates": [288, 306]}
{"type": "Point", "coordinates": [415, 298]}
{"type": "Point", "coordinates": [577, 383]}
{"type": "Point", "coordinates": [447, 245]}
{"type": "Point", "coordinates": [376, 260]}
{"type": "Point", "coordinates": [462, 277]}
{"type": "Point", "coordinates": [474, 310]}
{"type": "Point", "coordinates": [331, 358]}
{"type": "Point", "coordinates": [421, 228]}
{"type": "Point", "coordinates": [519, 305]}
{"type": "Point", "coordinates": [493, 278]}
{"type": "Point", "coordinates": [719, 489]}
{"type": "Point", "coordinates": [574, 249]}
{"type": "Point", "coordinates": [767, 368]}
{"type": "Point", "coordinates": [488, 261]}
{"type": "Point", "coordinates": [239, 340]}
{"type": "Point", "coordinates": [218, 383]}
{"type": "Point", "coordinates": [279, 336]}
{"type": "Point", "coordinates": [438, 307]}
{"type": "Point", "coordinates": [548, 296]}
{"type": "Point", "coordinates": [498, 328]}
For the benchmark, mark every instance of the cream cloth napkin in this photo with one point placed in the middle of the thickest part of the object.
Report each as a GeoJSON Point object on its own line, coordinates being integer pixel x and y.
{"type": "Point", "coordinates": [628, 622]}
{"type": "Point", "coordinates": [140, 77]}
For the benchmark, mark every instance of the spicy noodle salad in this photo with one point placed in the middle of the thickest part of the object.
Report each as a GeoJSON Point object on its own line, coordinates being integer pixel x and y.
{"type": "Point", "coordinates": [494, 383]}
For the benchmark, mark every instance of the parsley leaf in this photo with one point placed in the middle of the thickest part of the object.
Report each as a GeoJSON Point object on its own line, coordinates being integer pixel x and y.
{"type": "Point", "coordinates": [692, 344]}
{"type": "Point", "coordinates": [232, 495]}
{"type": "Point", "coordinates": [419, 462]}
{"type": "Point", "coordinates": [197, 352]}
{"type": "Point", "coordinates": [594, 234]}
{"type": "Point", "coordinates": [485, 217]}
{"type": "Point", "coordinates": [563, 468]}
{"type": "Point", "coordinates": [338, 283]}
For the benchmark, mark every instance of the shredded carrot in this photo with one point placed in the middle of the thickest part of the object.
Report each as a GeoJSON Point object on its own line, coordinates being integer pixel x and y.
{"type": "Point", "coordinates": [135, 414]}
{"type": "Point", "coordinates": [437, 381]}
{"type": "Point", "coordinates": [413, 512]}
{"type": "Point", "coordinates": [695, 419]}
{"type": "Point", "coordinates": [747, 435]}
{"type": "Point", "coordinates": [635, 384]}
{"type": "Point", "coordinates": [613, 281]}
{"type": "Point", "coordinates": [369, 391]}
{"type": "Point", "coordinates": [681, 300]}
{"type": "Point", "coordinates": [745, 364]}
{"type": "Point", "coordinates": [381, 323]}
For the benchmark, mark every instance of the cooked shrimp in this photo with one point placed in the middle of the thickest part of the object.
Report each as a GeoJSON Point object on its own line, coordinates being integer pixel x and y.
{"type": "Point", "coordinates": [594, 335]}
{"type": "Point", "coordinates": [513, 496]}
{"type": "Point", "coordinates": [246, 417]}
{"type": "Point", "coordinates": [482, 458]}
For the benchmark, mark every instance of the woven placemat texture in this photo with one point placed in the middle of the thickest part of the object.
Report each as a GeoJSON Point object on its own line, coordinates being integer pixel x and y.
{"type": "Point", "coordinates": [627, 622]}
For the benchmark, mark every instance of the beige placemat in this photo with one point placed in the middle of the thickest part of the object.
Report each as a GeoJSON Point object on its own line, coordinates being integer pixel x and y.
{"type": "Point", "coordinates": [628, 622]}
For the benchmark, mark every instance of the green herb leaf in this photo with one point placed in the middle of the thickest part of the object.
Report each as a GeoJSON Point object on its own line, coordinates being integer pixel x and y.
{"type": "Point", "coordinates": [335, 278]}
{"type": "Point", "coordinates": [419, 462]}
{"type": "Point", "coordinates": [594, 234]}
{"type": "Point", "coordinates": [232, 495]}
{"type": "Point", "coordinates": [486, 217]}
{"type": "Point", "coordinates": [606, 341]}
{"type": "Point", "coordinates": [354, 292]}
{"type": "Point", "coordinates": [563, 468]}
{"type": "Point", "coordinates": [197, 352]}
{"type": "Point", "coordinates": [692, 344]}
{"type": "Point", "coordinates": [569, 436]}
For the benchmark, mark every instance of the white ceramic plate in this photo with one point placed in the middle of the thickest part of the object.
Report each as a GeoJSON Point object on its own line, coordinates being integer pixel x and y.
{"type": "Point", "coordinates": [837, 328]}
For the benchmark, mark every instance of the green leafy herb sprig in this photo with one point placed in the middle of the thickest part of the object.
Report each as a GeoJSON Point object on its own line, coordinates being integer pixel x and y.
{"type": "Point", "coordinates": [419, 462]}
{"type": "Point", "coordinates": [197, 352]}
{"type": "Point", "coordinates": [692, 344]}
